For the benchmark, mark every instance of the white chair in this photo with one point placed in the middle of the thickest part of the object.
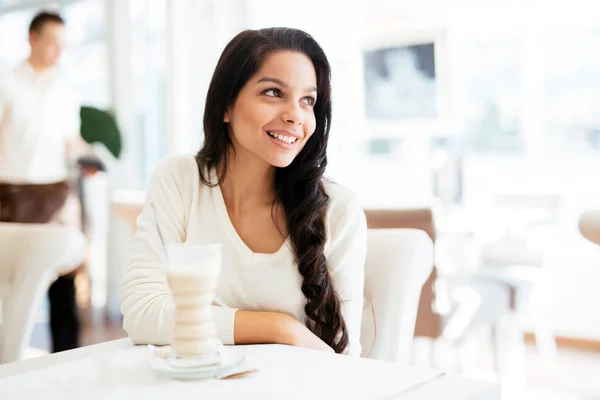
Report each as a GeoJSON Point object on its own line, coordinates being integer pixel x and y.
{"type": "Point", "coordinates": [31, 255]}
{"type": "Point", "coordinates": [399, 261]}
{"type": "Point", "coordinates": [520, 258]}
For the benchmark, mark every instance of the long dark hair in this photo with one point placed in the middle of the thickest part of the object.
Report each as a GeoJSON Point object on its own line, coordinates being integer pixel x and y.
{"type": "Point", "coordinates": [299, 186]}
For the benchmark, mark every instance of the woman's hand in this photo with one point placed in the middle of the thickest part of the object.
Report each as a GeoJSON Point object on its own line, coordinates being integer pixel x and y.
{"type": "Point", "coordinates": [297, 334]}
{"type": "Point", "coordinates": [255, 327]}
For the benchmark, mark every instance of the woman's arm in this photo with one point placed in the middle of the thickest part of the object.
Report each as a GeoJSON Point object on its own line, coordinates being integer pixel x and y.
{"type": "Point", "coordinates": [147, 306]}
{"type": "Point", "coordinates": [252, 327]}
{"type": "Point", "coordinates": [346, 259]}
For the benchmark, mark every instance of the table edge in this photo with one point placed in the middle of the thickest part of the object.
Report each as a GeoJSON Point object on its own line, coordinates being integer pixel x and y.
{"type": "Point", "coordinates": [33, 364]}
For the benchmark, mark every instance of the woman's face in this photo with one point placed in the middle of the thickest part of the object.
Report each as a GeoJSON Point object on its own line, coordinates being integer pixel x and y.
{"type": "Point", "coordinates": [273, 115]}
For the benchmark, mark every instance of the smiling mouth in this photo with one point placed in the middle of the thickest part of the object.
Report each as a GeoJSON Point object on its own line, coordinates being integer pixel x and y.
{"type": "Point", "coordinates": [283, 138]}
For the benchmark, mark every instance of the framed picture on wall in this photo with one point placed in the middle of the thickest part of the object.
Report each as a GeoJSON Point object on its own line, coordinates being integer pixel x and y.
{"type": "Point", "coordinates": [400, 82]}
{"type": "Point", "coordinates": [405, 82]}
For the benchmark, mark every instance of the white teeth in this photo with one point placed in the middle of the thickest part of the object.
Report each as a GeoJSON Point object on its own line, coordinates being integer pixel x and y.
{"type": "Point", "coordinates": [285, 139]}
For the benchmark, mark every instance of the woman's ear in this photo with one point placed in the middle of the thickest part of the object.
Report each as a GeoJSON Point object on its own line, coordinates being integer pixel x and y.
{"type": "Point", "coordinates": [226, 118]}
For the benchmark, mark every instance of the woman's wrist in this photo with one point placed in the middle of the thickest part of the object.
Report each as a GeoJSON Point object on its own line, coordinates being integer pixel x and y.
{"type": "Point", "coordinates": [252, 327]}
{"type": "Point", "coordinates": [286, 329]}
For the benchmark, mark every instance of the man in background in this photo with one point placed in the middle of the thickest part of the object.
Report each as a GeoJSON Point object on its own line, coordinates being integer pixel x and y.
{"type": "Point", "coordinates": [39, 131]}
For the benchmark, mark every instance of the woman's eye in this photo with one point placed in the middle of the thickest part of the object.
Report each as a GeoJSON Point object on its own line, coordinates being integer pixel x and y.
{"type": "Point", "coordinates": [273, 93]}
{"type": "Point", "coordinates": [309, 101]}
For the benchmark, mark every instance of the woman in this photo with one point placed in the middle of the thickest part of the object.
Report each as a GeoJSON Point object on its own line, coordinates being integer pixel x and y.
{"type": "Point", "coordinates": [293, 244]}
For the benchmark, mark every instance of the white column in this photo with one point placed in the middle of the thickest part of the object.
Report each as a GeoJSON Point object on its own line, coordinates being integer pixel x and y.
{"type": "Point", "coordinates": [178, 89]}
{"type": "Point", "coordinates": [231, 17]}
{"type": "Point", "coordinates": [197, 32]}
{"type": "Point", "coordinates": [128, 170]}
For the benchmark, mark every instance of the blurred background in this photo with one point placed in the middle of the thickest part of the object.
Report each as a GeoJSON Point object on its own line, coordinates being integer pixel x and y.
{"type": "Point", "coordinates": [479, 119]}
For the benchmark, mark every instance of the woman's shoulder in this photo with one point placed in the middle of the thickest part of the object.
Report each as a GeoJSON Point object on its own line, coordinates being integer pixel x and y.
{"type": "Point", "coordinates": [177, 169]}
{"type": "Point", "coordinates": [346, 223]}
{"type": "Point", "coordinates": [344, 204]}
{"type": "Point", "coordinates": [176, 172]}
{"type": "Point", "coordinates": [177, 164]}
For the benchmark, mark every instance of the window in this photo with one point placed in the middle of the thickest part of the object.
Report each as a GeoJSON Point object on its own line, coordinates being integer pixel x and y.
{"type": "Point", "coordinates": [85, 61]}
{"type": "Point", "coordinates": [149, 65]}
{"type": "Point", "coordinates": [571, 92]}
{"type": "Point", "coordinates": [492, 103]}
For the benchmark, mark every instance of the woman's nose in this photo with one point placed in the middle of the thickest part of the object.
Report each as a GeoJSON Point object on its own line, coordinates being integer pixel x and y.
{"type": "Point", "coordinates": [292, 113]}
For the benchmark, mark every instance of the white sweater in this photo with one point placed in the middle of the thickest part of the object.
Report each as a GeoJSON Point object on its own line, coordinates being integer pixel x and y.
{"type": "Point", "coordinates": [179, 208]}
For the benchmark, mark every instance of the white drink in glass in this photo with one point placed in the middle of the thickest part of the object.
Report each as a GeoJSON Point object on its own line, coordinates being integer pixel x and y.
{"type": "Point", "coordinates": [193, 275]}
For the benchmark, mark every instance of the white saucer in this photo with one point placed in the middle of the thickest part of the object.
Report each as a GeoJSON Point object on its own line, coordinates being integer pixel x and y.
{"type": "Point", "coordinates": [230, 359]}
{"type": "Point", "coordinates": [200, 362]}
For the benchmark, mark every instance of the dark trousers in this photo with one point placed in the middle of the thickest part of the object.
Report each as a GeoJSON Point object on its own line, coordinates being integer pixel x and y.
{"type": "Point", "coordinates": [64, 319]}
{"type": "Point", "coordinates": [39, 204]}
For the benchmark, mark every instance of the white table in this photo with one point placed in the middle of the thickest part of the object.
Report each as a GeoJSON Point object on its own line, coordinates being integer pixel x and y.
{"type": "Point", "coordinates": [113, 370]}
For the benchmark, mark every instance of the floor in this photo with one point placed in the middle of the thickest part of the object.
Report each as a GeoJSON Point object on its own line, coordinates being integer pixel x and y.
{"type": "Point", "coordinates": [94, 329]}
{"type": "Point", "coordinates": [572, 375]}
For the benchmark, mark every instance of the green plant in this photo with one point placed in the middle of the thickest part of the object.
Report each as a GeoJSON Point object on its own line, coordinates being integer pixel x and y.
{"type": "Point", "coordinates": [98, 126]}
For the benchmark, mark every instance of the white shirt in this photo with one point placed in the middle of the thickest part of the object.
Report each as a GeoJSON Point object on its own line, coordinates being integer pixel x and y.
{"type": "Point", "coordinates": [38, 113]}
{"type": "Point", "coordinates": [179, 208]}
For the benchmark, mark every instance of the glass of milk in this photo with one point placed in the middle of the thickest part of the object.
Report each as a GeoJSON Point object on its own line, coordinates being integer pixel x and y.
{"type": "Point", "coordinates": [193, 275]}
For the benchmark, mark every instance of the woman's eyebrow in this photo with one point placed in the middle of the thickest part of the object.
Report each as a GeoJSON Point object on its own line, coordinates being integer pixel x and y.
{"type": "Point", "coordinates": [283, 84]}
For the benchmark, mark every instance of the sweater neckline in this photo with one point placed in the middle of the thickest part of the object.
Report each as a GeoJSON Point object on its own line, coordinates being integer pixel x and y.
{"type": "Point", "coordinates": [241, 247]}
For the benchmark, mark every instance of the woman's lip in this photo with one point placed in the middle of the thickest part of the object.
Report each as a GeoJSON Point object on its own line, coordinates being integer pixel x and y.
{"type": "Point", "coordinates": [286, 133]}
{"type": "Point", "coordinates": [283, 145]}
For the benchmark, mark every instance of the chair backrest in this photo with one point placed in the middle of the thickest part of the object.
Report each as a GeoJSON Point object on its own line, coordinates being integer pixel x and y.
{"type": "Point", "coordinates": [429, 322]}
{"type": "Point", "coordinates": [30, 257]}
{"type": "Point", "coordinates": [399, 261]}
